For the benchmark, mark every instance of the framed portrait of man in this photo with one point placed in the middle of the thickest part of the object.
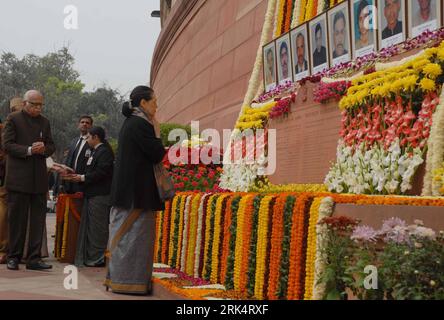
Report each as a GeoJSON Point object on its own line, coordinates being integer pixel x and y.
{"type": "Point", "coordinates": [424, 15]}
{"type": "Point", "coordinates": [339, 26]}
{"type": "Point", "coordinates": [299, 48]}
{"type": "Point", "coordinates": [364, 37]}
{"type": "Point", "coordinates": [318, 44]}
{"type": "Point", "coordinates": [392, 24]}
{"type": "Point", "coordinates": [284, 64]}
{"type": "Point", "coordinates": [269, 58]}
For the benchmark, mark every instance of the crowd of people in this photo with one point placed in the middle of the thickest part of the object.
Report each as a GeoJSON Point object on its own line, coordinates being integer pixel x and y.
{"type": "Point", "coordinates": [120, 194]}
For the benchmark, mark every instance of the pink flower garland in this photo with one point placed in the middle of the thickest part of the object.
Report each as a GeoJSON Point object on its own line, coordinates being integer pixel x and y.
{"type": "Point", "coordinates": [282, 107]}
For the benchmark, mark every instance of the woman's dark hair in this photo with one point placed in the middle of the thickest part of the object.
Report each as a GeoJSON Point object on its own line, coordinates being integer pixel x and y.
{"type": "Point", "coordinates": [139, 93]}
{"type": "Point", "coordinates": [99, 132]}
{"type": "Point", "coordinates": [362, 5]}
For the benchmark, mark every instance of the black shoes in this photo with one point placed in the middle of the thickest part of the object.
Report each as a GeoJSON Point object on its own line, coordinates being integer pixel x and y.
{"type": "Point", "coordinates": [38, 266]}
{"type": "Point", "coordinates": [12, 264]}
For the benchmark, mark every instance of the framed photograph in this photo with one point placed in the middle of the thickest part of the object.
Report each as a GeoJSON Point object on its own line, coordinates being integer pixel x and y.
{"type": "Point", "coordinates": [423, 15]}
{"type": "Point", "coordinates": [300, 50]}
{"type": "Point", "coordinates": [284, 64]}
{"type": "Point", "coordinates": [363, 19]}
{"type": "Point", "coordinates": [392, 24]}
{"type": "Point", "coordinates": [269, 57]}
{"type": "Point", "coordinates": [318, 44]}
{"type": "Point", "coordinates": [339, 26]}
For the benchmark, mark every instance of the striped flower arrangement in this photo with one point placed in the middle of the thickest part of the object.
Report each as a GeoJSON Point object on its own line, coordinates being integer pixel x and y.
{"type": "Point", "coordinates": [258, 245]}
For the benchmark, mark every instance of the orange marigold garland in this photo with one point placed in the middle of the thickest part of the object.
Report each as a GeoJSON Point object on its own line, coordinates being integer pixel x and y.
{"type": "Point", "coordinates": [215, 250]}
{"type": "Point", "coordinates": [277, 235]}
{"type": "Point", "coordinates": [226, 240]}
{"type": "Point", "coordinates": [295, 276]}
{"type": "Point", "coordinates": [261, 248]}
{"type": "Point", "coordinates": [240, 242]}
{"type": "Point", "coordinates": [247, 229]}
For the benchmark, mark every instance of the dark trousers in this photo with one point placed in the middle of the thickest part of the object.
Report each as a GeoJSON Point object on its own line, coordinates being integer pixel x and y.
{"type": "Point", "coordinates": [19, 205]}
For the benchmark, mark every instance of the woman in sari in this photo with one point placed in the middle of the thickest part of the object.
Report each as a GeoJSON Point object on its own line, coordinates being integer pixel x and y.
{"type": "Point", "coordinates": [134, 197]}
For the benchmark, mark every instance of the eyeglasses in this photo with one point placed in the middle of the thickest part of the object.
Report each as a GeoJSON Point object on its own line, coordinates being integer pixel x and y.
{"type": "Point", "coordinates": [36, 104]}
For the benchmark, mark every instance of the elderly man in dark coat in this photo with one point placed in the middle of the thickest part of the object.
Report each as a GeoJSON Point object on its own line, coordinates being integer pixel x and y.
{"type": "Point", "coordinates": [27, 141]}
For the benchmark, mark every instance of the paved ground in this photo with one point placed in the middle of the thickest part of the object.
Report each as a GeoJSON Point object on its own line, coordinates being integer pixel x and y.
{"type": "Point", "coordinates": [49, 285]}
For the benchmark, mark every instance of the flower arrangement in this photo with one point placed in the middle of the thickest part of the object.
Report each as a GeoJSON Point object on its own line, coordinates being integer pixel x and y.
{"type": "Point", "coordinates": [282, 107]}
{"type": "Point", "coordinates": [386, 123]}
{"type": "Point", "coordinates": [330, 91]}
{"type": "Point", "coordinates": [271, 245]}
{"type": "Point", "coordinates": [408, 258]}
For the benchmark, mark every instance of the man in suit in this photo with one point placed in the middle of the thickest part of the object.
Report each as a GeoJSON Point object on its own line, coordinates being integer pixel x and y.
{"type": "Point", "coordinates": [320, 53]}
{"type": "Point", "coordinates": [15, 104]}
{"type": "Point", "coordinates": [301, 64]}
{"type": "Point", "coordinates": [27, 140]}
{"type": "Point", "coordinates": [391, 13]}
{"type": "Point", "coordinates": [78, 154]}
{"type": "Point", "coordinates": [339, 35]}
{"type": "Point", "coordinates": [93, 234]}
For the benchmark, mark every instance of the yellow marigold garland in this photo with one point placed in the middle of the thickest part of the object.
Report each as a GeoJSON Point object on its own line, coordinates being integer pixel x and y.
{"type": "Point", "coordinates": [261, 248]}
{"type": "Point", "coordinates": [173, 217]}
{"type": "Point", "coordinates": [280, 18]}
{"type": "Point", "coordinates": [193, 234]}
{"type": "Point", "coordinates": [311, 249]}
{"type": "Point", "coordinates": [216, 238]}
{"type": "Point", "coordinates": [208, 232]}
{"type": "Point", "coordinates": [179, 242]}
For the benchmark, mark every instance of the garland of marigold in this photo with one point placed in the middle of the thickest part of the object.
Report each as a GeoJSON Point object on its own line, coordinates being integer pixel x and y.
{"type": "Point", "coordinates": [173, 226]}
{"type": "Point", "coordinates": [200, 236]}
{"type": "Point", "coordinates": [252, 245]}
{"type": "Point", "coordinates": [178, 243]}
{"type": "Point", "coordinates": [226, 240]}
{"type": "Point", "coordinates": [285, 257]}
{"type": "Point", "coordinates": [159, 220]}
{"type": "Point", "coordinates": [184, 237]}
{"type": "Point", "coordinates": [295, 278]}
{"type": "Point", "coordinates": [241, 213]}
{"type": "Point", "coordinates": [302, 13]}
{"type": "Point", "coordinates": [247, 229]}
{"type": "Point", "coordinates": [175, 231]}
{"type": "Point", "coordinates": [276, 246]}
{"type": "Point", "coordinates": [229, 273]}
{"type": "Point", "coordinates": [280, 18]}
{"type": "Point", "coordinates": [311, 249]}
{"type": "Point", "coordinates": [215, 253]}
{"type": "Point", "coordinates": [192, 235]}
{"type": "Point", "coordinates": [165, 227]}
{"type": "Point", "coordinates": [208, 234]}
{"type": "Point", "coordinates": [288, 15]}
{"type": "Point", "coordinates": [262, 240]}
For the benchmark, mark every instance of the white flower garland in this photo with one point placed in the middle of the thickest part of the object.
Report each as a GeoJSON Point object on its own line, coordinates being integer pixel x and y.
{"type": "Point", "coordinates": [325, 210]}
{"type": "Point", "coordinates": [320, 7]}
{"type": "Point", "coordinates": [199, 235]}
{"type": "Point", "coordinates": [183, 253]}
{"type": "Point", "coordinates": [376, 170]}
{"type": "Point", "coordinates": [296, 14]}
{"type": "Point", "coordinates": [435, 151]}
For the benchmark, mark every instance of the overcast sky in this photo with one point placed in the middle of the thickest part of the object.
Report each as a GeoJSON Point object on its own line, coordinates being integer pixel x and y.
{"type": "Point", "coordinates": [113, 44]}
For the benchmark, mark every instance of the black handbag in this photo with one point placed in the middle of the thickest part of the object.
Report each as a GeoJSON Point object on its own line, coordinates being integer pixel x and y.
{"type": "Point", "coordinates": [165, 185]}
